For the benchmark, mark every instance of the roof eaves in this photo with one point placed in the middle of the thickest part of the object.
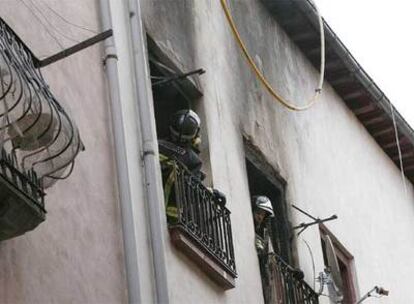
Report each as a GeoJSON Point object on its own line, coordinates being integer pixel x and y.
{"type": "Point", "coordinates": [360, 93]}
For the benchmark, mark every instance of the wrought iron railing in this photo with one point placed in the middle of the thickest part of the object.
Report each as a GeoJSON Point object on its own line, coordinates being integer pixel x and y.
{"type": "Point", "coordinates": [25, 182]}
{"type": "Point", "coordinates": [21, 199]}
{"type": "Point", "coordinates": [34, 127]}
{"type": "Point", "coordinates": [203, 219]}
{"type": "Point", "coordinates": [287, 284]}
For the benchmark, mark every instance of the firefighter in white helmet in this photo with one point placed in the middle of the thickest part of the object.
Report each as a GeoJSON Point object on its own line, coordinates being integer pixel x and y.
{"type": "Point", "coordinates": [262, 211]}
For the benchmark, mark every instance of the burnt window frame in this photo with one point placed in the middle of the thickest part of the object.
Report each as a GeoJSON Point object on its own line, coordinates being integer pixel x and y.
{"type": "Point", "coordinates": [345, 259]}
{"type": "Point", "coordinates": [256, 158]}
{"type": "Point", "coordinates": [290, 287]}
{"type": "Point", "coordinates": [189, 88]}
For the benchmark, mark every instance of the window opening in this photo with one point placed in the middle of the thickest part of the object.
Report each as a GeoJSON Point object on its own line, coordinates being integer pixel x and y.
{"type": "Point", "coordinates": [259, 184]}
{"type": "Point", "coordinates": [281, 282]}
{"type": "Point", "coordinates": [175, 90]}
{"type": "Point", "coordinates": [198, 220]}
{"type": "Point", "coordinates": [168, 98]}
{"type": "Point", "coordinates": [341, 271]}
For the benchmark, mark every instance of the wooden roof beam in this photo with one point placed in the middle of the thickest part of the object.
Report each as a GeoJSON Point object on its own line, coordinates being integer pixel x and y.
{"type": "Point", "coordinates": [374, 120]}
{"type": "Point", "coordinates": [403, 155]}
{"type": "Point", "coordinates": [353, 95]}
{"type": "Point", "coordinates": [304, 36]}
{"type": "Point", "coordinates": [383, 131]}
{"type": "Point", "coordinates": [345, 79]}
{"type": "Point", "coordinates": [387, 144]}
{"type": "Point", "coordinates": [364, 109]}
{"type": "Point", "coordinates": [408, 168]}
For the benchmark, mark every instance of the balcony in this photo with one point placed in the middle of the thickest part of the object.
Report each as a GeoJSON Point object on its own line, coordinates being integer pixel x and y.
{"type": "Point", "coordinates": [202, 228]}
{"type": "Point", "coordinates": [38, 139]}
{"type": "Point", "coordinates": [288, 287]}
{"type": "Point", "coordinates": [21, 199]}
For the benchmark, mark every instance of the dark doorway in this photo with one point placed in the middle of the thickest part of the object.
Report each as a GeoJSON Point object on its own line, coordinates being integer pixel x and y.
{"type": "Point", "coordinates": [168, 97]}
{"type": "Point", "coordinates": [171, 94]}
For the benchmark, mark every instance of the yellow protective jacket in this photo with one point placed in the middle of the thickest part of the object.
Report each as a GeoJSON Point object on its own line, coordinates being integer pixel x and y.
{"type": "Point", "coordinates": [170, 153]}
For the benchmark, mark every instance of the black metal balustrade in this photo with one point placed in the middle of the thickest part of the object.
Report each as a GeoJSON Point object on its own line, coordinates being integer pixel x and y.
{"type": "Point", "coordinates": [21, 199]}
{"type": "Point", "coordinates": [38, 139]}
{"type": "Point", "coordinates": [34, 127]}
{"type": "Point", "coordinates": [25, 181]}
{"type": "Point", "coordinates": [206, 222]}
{"type": "Point", "coordinates": [286, 284]}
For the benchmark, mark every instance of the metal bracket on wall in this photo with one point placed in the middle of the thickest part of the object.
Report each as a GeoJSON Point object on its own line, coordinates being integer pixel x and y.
{"type": "Point", "coordinates": [303, 226]}
{"type": "Point", "coordinates": [176, 77]}
{"type": "Point", "coordinates": [74, 49]}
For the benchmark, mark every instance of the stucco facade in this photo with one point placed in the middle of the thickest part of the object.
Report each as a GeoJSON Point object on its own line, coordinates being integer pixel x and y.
{"type": "Point", "coordinates": [329, 161]}
{"type": "Point", "coordinates": [76, 255]}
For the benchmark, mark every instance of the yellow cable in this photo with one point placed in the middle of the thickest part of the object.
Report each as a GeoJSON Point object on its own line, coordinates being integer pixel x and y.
{"type": "Point", "coordinates": [260, 75]}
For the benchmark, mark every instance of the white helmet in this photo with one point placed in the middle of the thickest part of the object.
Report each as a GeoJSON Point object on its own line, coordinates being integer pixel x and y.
{"type": "Point", "coordinates": [263, 203]}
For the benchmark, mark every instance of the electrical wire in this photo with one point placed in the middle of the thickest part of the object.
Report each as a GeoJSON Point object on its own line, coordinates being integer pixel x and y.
{"type": "Point", "coordinates": [51, 25]}
{"type": "Point", "coordinates": [67, 21]}
{"type": "Point", "coordinates": [41, 22]}
{"type": "Point", "coordinates": [313, 262]}
{"type": "Point", "coordinates": [373, 296]}
{"type": "Point", "coordinates": [397, 140]}
{"type": "Point", "coordinates": [261, 76]}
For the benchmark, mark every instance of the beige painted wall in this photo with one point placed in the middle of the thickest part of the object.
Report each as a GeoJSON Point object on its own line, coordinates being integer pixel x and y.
{"type": "Point", "coordinates": [330, 162]}
{"type": "Point", "coordinates": [76, 255]}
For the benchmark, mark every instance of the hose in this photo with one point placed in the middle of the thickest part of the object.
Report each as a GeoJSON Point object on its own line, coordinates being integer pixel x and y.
{"type": "Point", "coordinates": [397, 141]}
{"type": "Point", "coordinates": [260, 75]}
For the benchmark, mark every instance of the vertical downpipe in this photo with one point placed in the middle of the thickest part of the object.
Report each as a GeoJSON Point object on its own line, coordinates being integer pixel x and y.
{"type": "Point", "coordinates": [128, 220]}
{"type": "Point", "coordinates": [149, 142]}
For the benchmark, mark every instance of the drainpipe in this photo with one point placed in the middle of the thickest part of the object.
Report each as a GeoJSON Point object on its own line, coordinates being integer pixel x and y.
{"type": "Point", "coordinates": [156, 211]}
{"type": "Point", "coordinates": [128, 227]}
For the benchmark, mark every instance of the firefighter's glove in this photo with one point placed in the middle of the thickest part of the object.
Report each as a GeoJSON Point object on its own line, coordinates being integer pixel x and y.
{"type": "Point", "coordinates": [298, 274]}
{"type": "Point", "coordinates": [219, 197]}
{"type": "Point", "coordinates": [260, 245]}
